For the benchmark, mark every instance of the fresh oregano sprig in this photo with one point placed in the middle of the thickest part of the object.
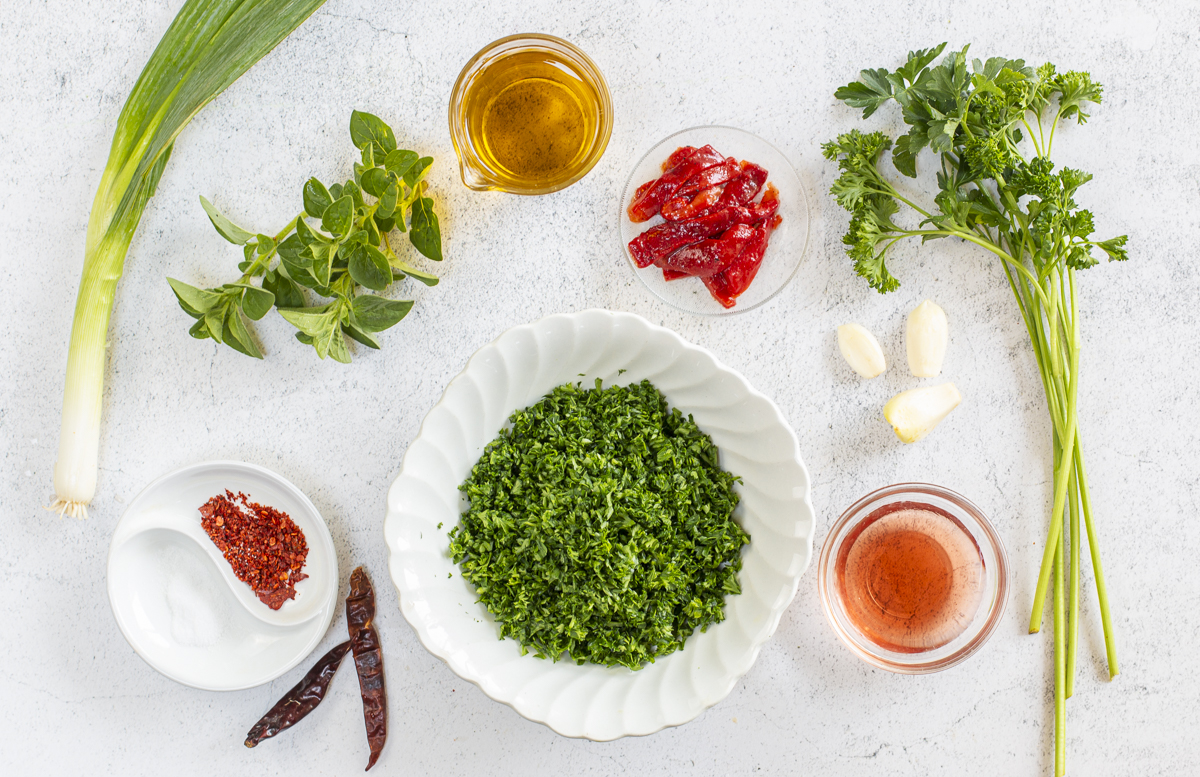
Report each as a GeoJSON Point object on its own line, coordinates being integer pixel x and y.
{"type": "Point", "coordinates": [349, 248]}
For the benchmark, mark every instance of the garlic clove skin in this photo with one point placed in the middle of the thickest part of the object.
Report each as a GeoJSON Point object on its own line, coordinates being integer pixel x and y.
{"type": "Point", "coordinates": [925, 339]}
{"type": "Point", "coordinates": [914, 413]}
{"type": "Point", "coordinates": [861, 350]}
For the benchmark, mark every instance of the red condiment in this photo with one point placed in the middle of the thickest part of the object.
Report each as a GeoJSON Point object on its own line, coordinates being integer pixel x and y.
{"type": "Point", "coordinates": [264, 546]}
{"type": "Point", "coordinates": [712, 229]}
{"type": "Point", "coordinates": [911, 577]}
{"type": "Point", "coordinates": [651, 200]}
{"type": "Point", "coordinates": [662, 240]}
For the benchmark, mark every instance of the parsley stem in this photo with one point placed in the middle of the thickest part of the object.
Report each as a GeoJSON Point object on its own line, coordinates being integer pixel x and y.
{"type": "Point", "coordinates": [1060, 666]}
{"type": "Point", "coordinates": [1060, 481]}
{"type": "Point", "coordinates": [1053, 126]}
{"type": "Point", "coordinates": [995, 249]}
{"type": "Point", "coordinates": [1110, 645]}
{"type": "Point", "coordinates": [890, 191]}
{"type": "Point", "coordinates": [1073, 601]}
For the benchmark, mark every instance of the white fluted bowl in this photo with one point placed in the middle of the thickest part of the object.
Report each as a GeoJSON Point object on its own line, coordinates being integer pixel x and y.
{"type": "Point", "coordinates": [515, 371]}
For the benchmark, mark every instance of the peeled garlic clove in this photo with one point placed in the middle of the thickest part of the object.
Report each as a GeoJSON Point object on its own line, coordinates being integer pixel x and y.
{"type": "Point", "coordinates": [861, 350]}
{"type": "Point", "coordinates": [925, 339]}
{"type": "Point", "coordinates": [914, 413]}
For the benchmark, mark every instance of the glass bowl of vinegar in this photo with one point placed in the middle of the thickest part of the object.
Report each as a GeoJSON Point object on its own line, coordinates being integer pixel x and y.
{"type": "Point", "coordinates": [529, 114]}
{"type": "Point", "coordinates": [913, 578]}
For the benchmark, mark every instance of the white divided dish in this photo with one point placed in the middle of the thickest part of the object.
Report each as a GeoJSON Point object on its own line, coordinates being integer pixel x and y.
{"type": "Point", "coordinates": [177, 600]}
{"type": "Point", "coordinates": [513, 372]}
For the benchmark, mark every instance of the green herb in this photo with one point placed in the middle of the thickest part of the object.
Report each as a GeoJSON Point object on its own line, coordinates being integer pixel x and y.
{"type": "Point", "coordinates": [976, 116]}
{"type": "Point", "coordinates": [351, 248]}
{"type": "Point", "coordinates": [600, 526]}
{"type": "Point", "coordinates": [208, 46]}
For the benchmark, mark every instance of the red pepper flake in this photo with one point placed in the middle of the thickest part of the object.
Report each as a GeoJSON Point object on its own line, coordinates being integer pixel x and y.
{"type": "Point", "coordinates": [264, 546]}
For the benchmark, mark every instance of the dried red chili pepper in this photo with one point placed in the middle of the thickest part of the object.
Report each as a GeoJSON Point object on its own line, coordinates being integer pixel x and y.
{"type": "Point", "coordinates": [368, 660]}
{"type": "Point", "coordinates": [664, 239]}
{"type": "Point", "coordinates": [300, 700]}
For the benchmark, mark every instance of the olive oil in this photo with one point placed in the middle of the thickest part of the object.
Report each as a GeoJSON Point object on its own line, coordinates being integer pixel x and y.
{"type": "Point", "coordinates": [533, 118]}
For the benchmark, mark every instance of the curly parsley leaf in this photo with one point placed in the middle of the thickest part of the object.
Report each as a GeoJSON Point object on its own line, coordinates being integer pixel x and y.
{"type": "Point", "coordinates": [974, 115]}
{"type": "Point", "coordinates": [600, 527]}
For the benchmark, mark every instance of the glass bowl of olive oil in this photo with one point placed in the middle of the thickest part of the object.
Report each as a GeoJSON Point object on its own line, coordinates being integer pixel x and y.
{"type": "Point", "coordinates": [529, 114]}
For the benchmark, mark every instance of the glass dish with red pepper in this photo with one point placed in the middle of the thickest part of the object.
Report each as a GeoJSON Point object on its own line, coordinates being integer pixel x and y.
{"type": "Point", "coordinates": [714, 221]}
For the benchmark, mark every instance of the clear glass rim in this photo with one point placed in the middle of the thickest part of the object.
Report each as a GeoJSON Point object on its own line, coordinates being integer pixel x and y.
{"type": "Point", "coordinates": [529, 41]}
{"type": "Point", "coordinates": [981, 628]}
{"type": "Point", "coordinates": [630, 186]}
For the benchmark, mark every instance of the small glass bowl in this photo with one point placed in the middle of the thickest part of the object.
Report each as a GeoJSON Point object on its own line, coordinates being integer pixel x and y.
{"type": "Point", "coordinates": [784, 251]}
{"type": "Point", "coordinates": [476, 173]}
{"type": "Point", "coordinates": [994, 579]}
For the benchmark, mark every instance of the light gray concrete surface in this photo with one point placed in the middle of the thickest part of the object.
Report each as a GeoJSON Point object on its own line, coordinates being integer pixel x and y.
{"type": "Point", "coordinates": [77, 699]}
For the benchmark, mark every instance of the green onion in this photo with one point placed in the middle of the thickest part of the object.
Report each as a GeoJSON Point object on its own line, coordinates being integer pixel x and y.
{"type": "Point", "coordinates": [210, 45]}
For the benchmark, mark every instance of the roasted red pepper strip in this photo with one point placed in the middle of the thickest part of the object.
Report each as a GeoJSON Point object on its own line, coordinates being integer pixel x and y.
{"type": "Point", "coordinates": [300, 700]}
{"type": "Point", "coordinates": [765, 208]}
{"type": "Point", "coordinates": [728, 284]}
{"type": "Point", "coordinates": [368, 660]}
{"type": "Point", "coordinates": [677, 156]}
{"type": "Point", "coordinates": [742, 189]}
{"type": "Point", "coordinates": [648, 205]}
{"type": "Point", "coordinates": [664, 239]}
{"type": "Point", "coordinates": [709, 256]}
{"type": "Point", "coordinates": [642, 189]}
{"type": "Point", "coordinates": [673, 275]}
{"type": "Point", "coordinates": [682, 208]}
{"type": "Point", "coordinates": [713, 176]}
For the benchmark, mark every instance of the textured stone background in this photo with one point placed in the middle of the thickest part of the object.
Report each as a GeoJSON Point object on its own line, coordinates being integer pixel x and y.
{"type": "Point", "coordinates": [76, 697]}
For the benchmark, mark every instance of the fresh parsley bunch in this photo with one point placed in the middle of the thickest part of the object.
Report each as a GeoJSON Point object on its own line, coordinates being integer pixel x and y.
{"type": "Point", "coordinates": [996, 192]}
{"type": "Point", "coordinates": [351, 248]}
{"type": "Point", "coordinates": [600, 526]}
{"type": "Point", "coordinates": [975, 118]}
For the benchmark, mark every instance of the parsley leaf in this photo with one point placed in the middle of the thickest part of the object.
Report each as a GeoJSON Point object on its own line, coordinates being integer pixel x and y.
{"type": "Point", "coordinates": [600, 527]}
{"type": "Point", "coordinates": [990, 126]}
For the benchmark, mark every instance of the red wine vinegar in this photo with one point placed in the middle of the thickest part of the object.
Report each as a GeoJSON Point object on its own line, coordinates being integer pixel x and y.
{"type": "Point", "coordinates": [911, 577]}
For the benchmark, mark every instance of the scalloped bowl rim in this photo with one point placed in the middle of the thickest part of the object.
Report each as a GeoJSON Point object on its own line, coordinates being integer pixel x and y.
{"type": "Point", "coordinates": [782, 600]}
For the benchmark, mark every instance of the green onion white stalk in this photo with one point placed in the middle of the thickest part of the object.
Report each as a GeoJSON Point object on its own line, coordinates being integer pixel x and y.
{"type": "Point", "coordinates": [207, 47]}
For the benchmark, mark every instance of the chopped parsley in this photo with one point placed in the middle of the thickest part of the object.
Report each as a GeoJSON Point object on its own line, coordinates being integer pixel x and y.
{"type": "Point", "coordinates": [600, 526]}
